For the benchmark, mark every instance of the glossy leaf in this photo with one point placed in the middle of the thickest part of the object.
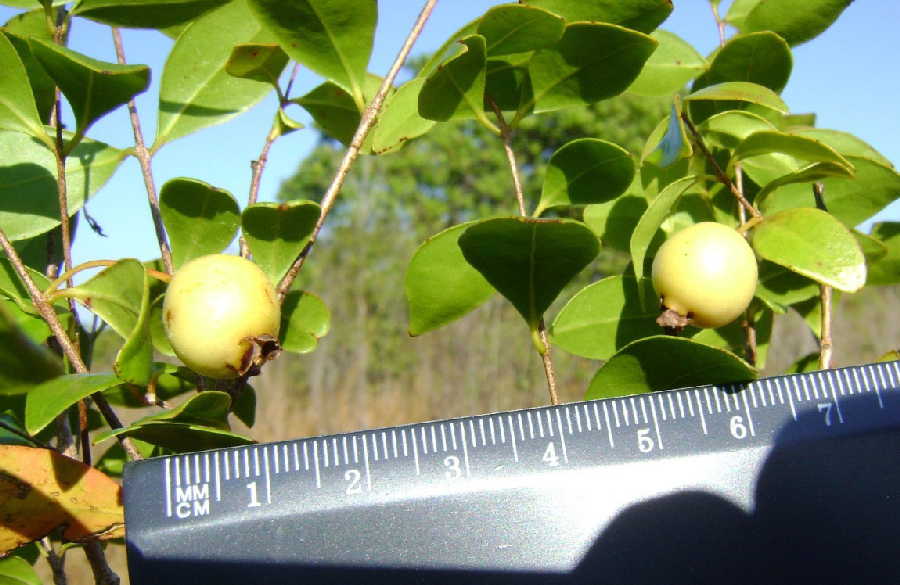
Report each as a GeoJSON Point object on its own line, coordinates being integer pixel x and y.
{"type": "Point", "coordinates": [257, 61]}
{"type": "Point", "coordinates": [11, 285]}
{"type": "Point", "coordinates": [583, 171]}
{"type": "Point", "coordinates": [144, 13]}
{"type": "Point", "coordinates": [19, 29]}
{"type": "Point", "coordinates": [17, 571]}
{"type": "Point", "coordinates": [29, 203]}
{"type": "Point", "coordinates": [813, 243]}
{"type": "Point", "coordinates": [591, 62]}
{"type": "Point", "coordinates": [844, 143]}
{"type": "Point", "coordinates": [887, 269]}
{"type": "Point", "coordinates": [529, 261]}
{"type": "Point", "coordinates": [642, 15]}
{"type": "Point", "coordinates": [91, 87]}
{"type": "Point", "coordinates": [277, 233]}
{"type": "Point", "coordinates": [333, 109]}
{"type": "Point", "coordinates": [331, 37]}
{"type": "Point", "coordinates": [44, 489]}
{"type": "Point", "coordinates": [663, 362]}
{"type": "Point", "coordinates": [440, 284]}
{"type": "Point", "coordinates": [653, 218]}
{"type": "Point", "coordinates": [195, 90]}
{"type": "Point", "coordinates": [606, 315]}
{"type": "Point", "coordinates": [850, 199]}
{"type": "Point", "coordinates": [799, 147]}
{"type": "Point", "coordinates": [180, 437]}
{"type": "Point", "coordinates": [796, 23]}
{"type": "Point", "coordinates": [116, 295]}
{"type": "Point", "coordinates": [743, 91]}
{"type": "Point", "coordinates": [669, 68]}
{"type": "Point", "coordinates": [730, 128]}
{"type": "Point", "coordinates": [134, 361]}
{"type": "Point", "coordinates": [18, 111]}
{"type": "Point", "coordinates": [400, 120]}
{"type": "Point", "coordinates": [456, 89]}
{"type": "Point", "coordinates": [46, 401]}
{"type": "Point", "coordinates": [22, 361]}
{"type": "Point", "coordinates": [762, 58]}
{"type": "Point", "coordinates": [304, 320]}
{"type": "Point", "coordinates": [199, 218]}
{"type": "Point", "coordinates": [517, 28]}
{"type": "Point", "coordinates": [808, 174]}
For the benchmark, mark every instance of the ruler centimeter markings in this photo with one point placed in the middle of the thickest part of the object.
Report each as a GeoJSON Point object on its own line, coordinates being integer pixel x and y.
{"type": "Point", "coordinates": [459, 459]}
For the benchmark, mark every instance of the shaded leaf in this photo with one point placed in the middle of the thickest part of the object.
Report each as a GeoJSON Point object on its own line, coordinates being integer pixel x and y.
{"type": "Point", "coordinates": [331, 37]}
{"type": "Point", "coordinates": [808, 363]}
{"type": "Point", "coordinates": [669, 141]}
{"type": "Point", "coordinates": [740, 91]}
{"type": "Point", "coordinates": [258, 61]}
{"type": "Point", "coordinates": [277, 233]}
{"type": "Point", "coordinates": [47, 401]}
{"type": "Point", "coordinates": [245, 407]}
{"type": "Point", "coordinates": [208, 408]}
{"type": "Point", "coordinates": [733, 337]}
{"type": "Point", "coordinates": [304, 320]}
{"type": "Point", "coordinates": [585, 170]}
{"type": "Point", "coordinates": [440, 284]}
{"type": "Point", "coordinates": [591, 62]}
{"type": "Point", "coordinates": [800, 147]}
{"type": "Point", "coordinates": [23, 362]}
{"type": "Point", "coordinates": [333, 109]}
{"type": "Point", "coordinates": [780, 288]}
{"type": "Point", "coordinates": [669, 68]}
{"type": "Point", "coordinates": [813, 243]}
{"type": "Point", "coordinates": [663, 362]}
{"type": "Point", "coordinates": [195, 91]}
{"type": "Point", "coordinates": [29, 203]}
{"type": "Point", "coordinates": [180, 437]}
{"type": "Point", "coordinates": [18, 111]}
{"type": "Point", "coordinates": [200, 219]}
{"type": "Point", "coordinates": [642, 15]}
{"type": "Point", "coordinates": [42, 489]}
{"type": "Point", "coordinates": [116, 295]}
{"type": "Point", "coordinates": [456, 88]}
{"type": "Point", "coordinates": [794, 22]}
{"type": "Point", "coordinates": [517, 28]}
{"type": "Point", "coordinates": [91, 87]}
{"type": "Point", "coordinates": [529, 261]}
{"type": "Point", "coordinates": [614, 221]}
{"type": "Point", "coordinates": [887, 269]}
{"type": "Point", "coordinates": [113, 461]}
{"type": "Point", "coordinates": [652, 219]}
{"type": "Point", "coordinates": [400, 120]}
{"type": "Point", "coordinates": [144, 13]}
{"type": "Point", "coordinates": [808, 174]}
{"type": "Point", "coordinates": [606, 315]}
{"type": "Point", "coordinates": [508, 84]}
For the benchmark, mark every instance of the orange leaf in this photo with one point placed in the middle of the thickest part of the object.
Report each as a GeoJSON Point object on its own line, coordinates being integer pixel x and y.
{"type": "Point", "coordinates": [41, 489]}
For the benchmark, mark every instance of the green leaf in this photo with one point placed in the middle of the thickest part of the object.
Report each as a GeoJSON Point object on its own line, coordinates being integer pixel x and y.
{"type": "Point", "coordinates": [17, 571]}
{"type": "Point", "coordinates": [180, 437]}
{"type": "Point", "coordinates": [245, 406]}
{"type": "Point", "coordinates": [887, 269]}
{"type": "Point", "coordinates": [529, 261]}
{"type": "Point", "coordinates": [208, 408]}
{"type": "Point", "coordinates": [134, 361]}
{"type": "Point", "coordinates": [23, 362]}
{"type": "Point", "coordinates": [284, 124]}
{"type": "Point", "coordinates": [743, 91]}
{"type": "Point", "coordinates": [45, 402]}
{"type": "Point", "coordinates": [304, 320]}
{"type": "Point", "coordinates": [456, 89]}
{"type": "Point", "coordinates": [614, 221]}
{"type": "Point", "coordinates": [813, 243]}
{"type": "Point", "coordinates": [653, 218]}
{"type": "Point", "coordinates": [199, 218]}
{"type": "Point", "coordinates": [808, 174]}
{"type": "Point", "coordinates": [114, 459]}
{"type": "Point", "coordinates": [808, 363]}
{"type": "Point", "coordinates": [642, 15]}
{"type": "Point", "coordinates": [593, 61]}
{"type": "Point", "coordinates": [669, 68]}
{"type": "Point", "coordinates": [738, 12]}
{"type": "Point", "coordinates": [91, 87]}
{"type": "Point", "coordinates": [795, 22]}
{"type": "Point", "coordinates": [780, 288]}
{"type": "Point", "coordinates": [507, 83]}
{"type": "Point", "coordinates": [278, 232]}
{"type": "Point", "coordinates": [733, 337]}
{"type": "Point", "coordinates": [258, 61]}
{"type": "Point", "coordinates": [19, 29]}
{"type": "Point", "coordinates": [29, 203]}
{"type": "Point", "coordinates": [850, 199]}
{"type": "Point", "coordinates": [333, 109]}
{"type": "Point", "coordinates": [585, 170]}
{"type": "Point", "coordinates": [800, 147]}
{"type": "Point", "coordinates": [400, 120]}
{"type": "Point", "coordinates": [331, 37]}
{"type": "Point", "coordinates": [116, 295]}
{"type": "Point", "coordinates": [18, 111]}
{"type": "Point", "coordinates": [516, 28]}
{"type": "Point", "coordinates": [668, 142]}
{"type": "Point", "coordinates": [844, 143]}
{"type": "Point", "coordinates": [606, 315]}
{"type": "Point", "coordinates": [727, 129]}
{"type": "Point", "coordinates": [440, 284]}
{"type": "Point", "coordinates": [144, 13]}
{"type": "Point", "coordinates": [663, 362]}
{"type": "Point", "coordinates": [195, 91]}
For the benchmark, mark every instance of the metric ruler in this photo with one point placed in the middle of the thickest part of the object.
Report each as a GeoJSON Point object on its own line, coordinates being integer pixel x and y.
{"type": "Point", "coordinates": [792, 479]}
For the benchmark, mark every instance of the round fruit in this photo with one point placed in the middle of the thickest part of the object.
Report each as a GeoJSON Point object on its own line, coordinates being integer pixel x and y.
{"type": "Point", "coordinates": [705, 275]}
{"type": "Point", "coordinates": [221, 315]}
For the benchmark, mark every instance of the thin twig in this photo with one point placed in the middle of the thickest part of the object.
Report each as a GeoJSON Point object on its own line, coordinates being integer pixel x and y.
{"type": "Point", "coordinates": [548, 363]}
{"type": "Point", "coordinates": [257, 166]}
{"type": "Point", "coordinates": [144, 158]}
{"type": "Point", "coordinates": [365, 125]}
{"type": "Point", "coordinates": [747, 323]}
{"type": "Point", "coordinates": [103, 574]}
{"type": "Point", "coordinates": [720, 24]}
{"type": "Point", "coordinates": [57, 562]}
{"type": "Point", "coordinates": [826, 349]}
{"type": "Point", "coordinates": [506, 134]}
{"type": "Point", "coordinates": [71, 352]}
{"type": "Point", "coordinates": [290, 84]}
{"type": "Point", "coordinates": [720, 174]}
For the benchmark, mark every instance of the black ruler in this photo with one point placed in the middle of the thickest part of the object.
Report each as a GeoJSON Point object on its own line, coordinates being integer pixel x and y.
{"type": "Point", "coordinates": [785, 479]}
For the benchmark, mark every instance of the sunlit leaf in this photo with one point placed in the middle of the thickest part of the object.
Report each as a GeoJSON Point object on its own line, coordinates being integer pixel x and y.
{"type": "Point", "coordinates": [48, 400]}
{"type": "Point", "coordinates": [794, 22]}
{"type": "Point", "coordinates": [116, 295]}
{"type": "Point", "coordinates": [277, 233]}
{"type": "Point", "coordinates": [19, 29]}
{"type": "Point", "coordinates": [400, 120]}
{"type": "Point", "coordinates": [517, 28]}
{"type": "Point", "coordinates": [799, 147]}
{"type": "Point", "coordinates": [200, 219]}
{"type": "Point", "coordinates": [144, 13]}
{"type": "Point", "coordinates": [456, 89]}
{"type": "Point", "coordinates": [18, 111]}
{"type": "Point", "coordinates": [258, 61]}
{"type": "Point", "coordinates": [887, 269]}
{"type": "Point", "coordinates": [669, 68]}
{"type": "Point", "coordinates": [304, 320]}
{"type": "Point", "coordinates": [16, 571]}
{"type": "Point", "coordinates": [333, 109]}
{"type": "Point", "coordinates": [845, 143]}
{"type": "Point", "coordinates": [642, 15]}
{"type": "Point", "coordinates": [740, 91]}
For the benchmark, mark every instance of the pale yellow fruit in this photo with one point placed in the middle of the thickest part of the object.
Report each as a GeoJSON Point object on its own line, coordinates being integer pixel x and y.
{"type": "Point", "coordinates": [706, 273]}
{"type": "Point", "coordinates": [215, 309]}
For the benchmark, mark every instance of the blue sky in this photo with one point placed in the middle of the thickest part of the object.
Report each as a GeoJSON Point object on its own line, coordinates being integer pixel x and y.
{"type": "Point", "coordinates": [844, 76]}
